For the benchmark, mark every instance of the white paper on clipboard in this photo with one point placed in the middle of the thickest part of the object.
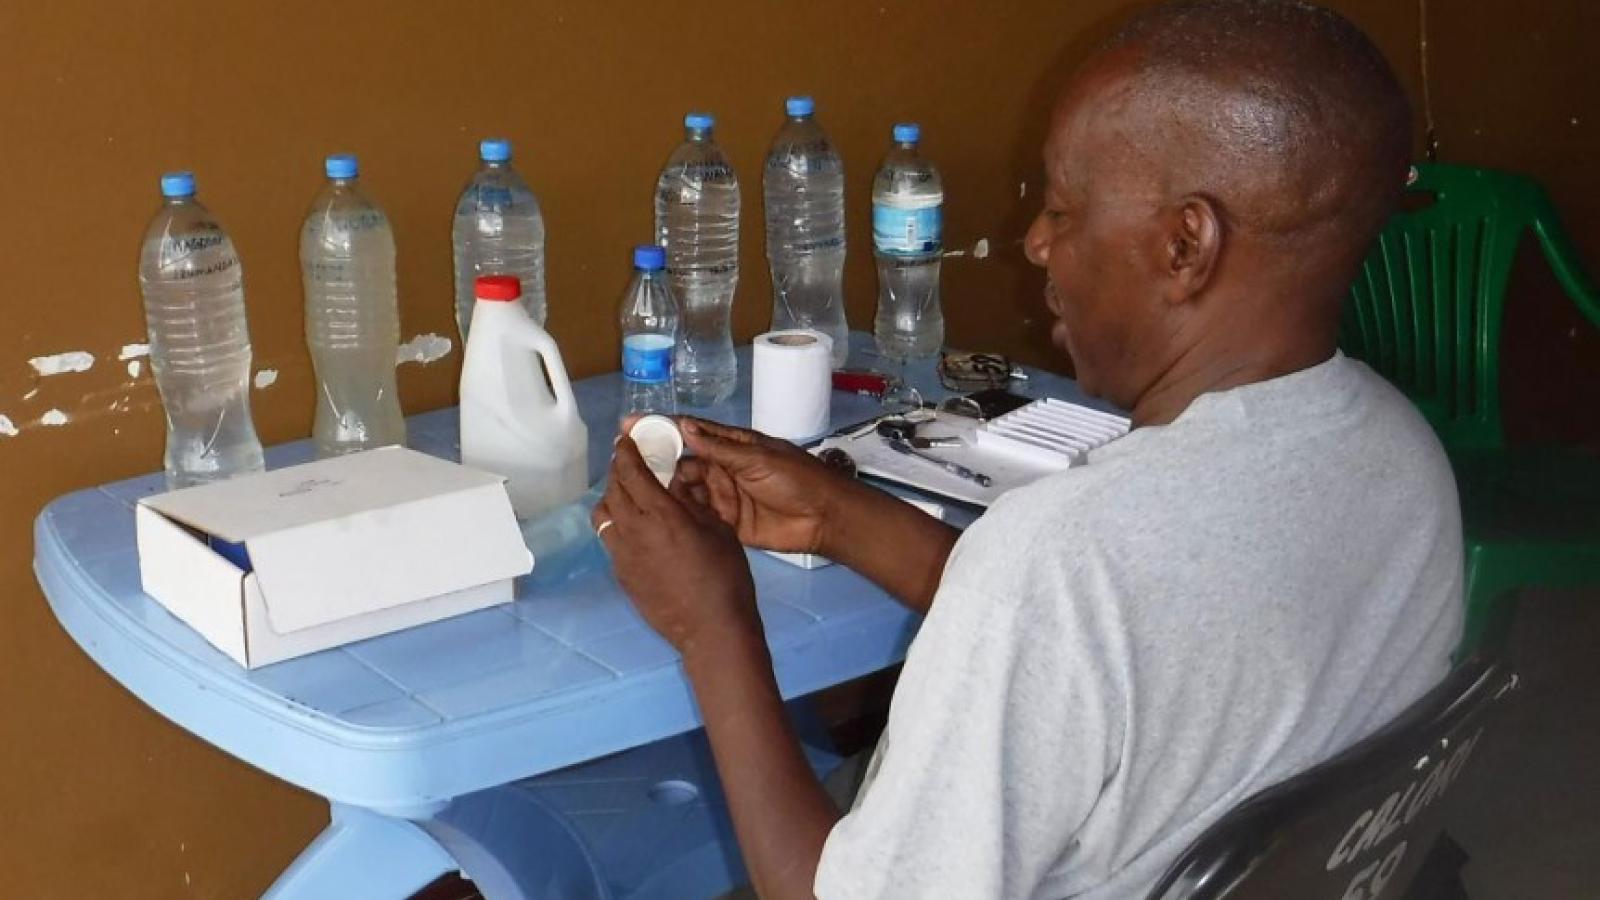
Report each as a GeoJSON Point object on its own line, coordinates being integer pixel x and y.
{"type": "Point", "coordinates": [1020, 447]}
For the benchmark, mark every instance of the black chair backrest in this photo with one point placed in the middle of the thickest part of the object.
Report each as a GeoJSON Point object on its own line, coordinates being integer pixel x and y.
{"type": "Point", "coordinates": [1358, 826]}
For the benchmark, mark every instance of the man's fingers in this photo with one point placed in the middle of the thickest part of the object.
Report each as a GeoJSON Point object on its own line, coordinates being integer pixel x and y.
{"type": "Point", "coordinates": [682, 491]}
{"type": "Point", "coordinates": [634, 478]}
{"type": "Point", "coordinates": [695, 506]}
{"type": "Point", "coordinates": [724, 495]}
{"type": "Point", "coordinates": [691, 471]}
{"type": "Point", "coordinates": [602, 520]}
{"type": "Point", "coordinates": [719, 443]}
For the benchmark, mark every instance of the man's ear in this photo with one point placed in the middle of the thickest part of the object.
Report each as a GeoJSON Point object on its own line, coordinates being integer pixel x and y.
{"type": "Point", "coordinates": [1193, 245]}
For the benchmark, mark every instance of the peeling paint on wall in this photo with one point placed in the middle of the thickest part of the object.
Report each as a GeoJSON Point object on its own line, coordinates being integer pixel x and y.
{"type": "Point", "coordinates": [980, 250]}
{"type": "Point", "coordinates": [133, 351]}
{"type": "Point", "coordinates": [266, 378]}
{"type": "Point", "coordinates": [7, 427]}
{"type": "Point", "coordinates": [134, 367]}
{"type": "Point", "coordinates": [424, 349]}
{"type": "Point", "coordinates": [62, 363]}
{"type": "Point", "coordinates": [54, 417]}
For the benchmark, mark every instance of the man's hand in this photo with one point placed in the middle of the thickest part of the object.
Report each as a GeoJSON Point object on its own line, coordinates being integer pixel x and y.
{"type": "Point", "coordinates": [689, 578]}
{"type": "Point", "coordinates": [682, 566]}
{"type": "Point", "coordinates": [779, 497]}
{"type": "Point", "coordinates": [773, 494]}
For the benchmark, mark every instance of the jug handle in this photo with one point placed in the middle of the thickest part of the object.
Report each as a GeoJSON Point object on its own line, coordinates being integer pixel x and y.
{"type": "Point", "coordinates": [543, 344]}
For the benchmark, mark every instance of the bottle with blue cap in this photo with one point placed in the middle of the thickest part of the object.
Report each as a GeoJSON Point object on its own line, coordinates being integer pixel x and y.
{"type": "Point", "coordinates": [803, 186]}
{"type": "Point", "coordinates": [697, 221]}
{"type": "Point", "coordinates": [649, 336]}
{"type": "Point", "coordinates": [908, 243]}
{"type": "Point", "coordinates": [352, 315]}
{"type": "Point", "coordinates": [498, 230]}
{"type": "Point", "coordinates": [193, 288]}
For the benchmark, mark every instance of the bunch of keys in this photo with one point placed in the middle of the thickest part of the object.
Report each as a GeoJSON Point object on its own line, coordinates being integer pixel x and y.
{"type": "Point", "coordinates": [968, 372]}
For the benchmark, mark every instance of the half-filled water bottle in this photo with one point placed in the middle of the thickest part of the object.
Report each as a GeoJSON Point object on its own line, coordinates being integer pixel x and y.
{"type": "Point", "coordinates": [193, 289]}
{"type": "Point", "coordinates": [498, 230]}
{"type": "Point", "coordinates": [519, 419]}
{"type": "Point", "coordinates": [352, 315]}
{"type": "Point", "coordinates": [908, 242]}
{"type": "Point", "coordinates": [649, 337]}
{"type": "Point", "coordinates": [697, 221]}
{"type": "Point", "coordinates": [803, 184]}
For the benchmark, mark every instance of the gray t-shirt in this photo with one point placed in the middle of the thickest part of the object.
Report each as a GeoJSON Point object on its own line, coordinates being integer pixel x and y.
{"type": "Point", "coordinates": [1120, 653]}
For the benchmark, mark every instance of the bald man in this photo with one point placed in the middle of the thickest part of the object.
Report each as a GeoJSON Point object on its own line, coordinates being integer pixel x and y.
{"type": "Point", "coordinates": [1266, 570]}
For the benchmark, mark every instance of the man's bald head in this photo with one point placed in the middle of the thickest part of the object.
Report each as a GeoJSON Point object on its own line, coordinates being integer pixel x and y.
{"type": "Point", "coordinates": [1216, 174]}
{"type": "Point", "coordinates": [1283, 111]}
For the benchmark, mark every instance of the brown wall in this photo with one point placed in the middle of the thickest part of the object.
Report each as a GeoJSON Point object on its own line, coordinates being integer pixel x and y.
{"type": "Point", "coordinates": [1514, 87]}
{"type": "Point", "coordinates": [99, 796]}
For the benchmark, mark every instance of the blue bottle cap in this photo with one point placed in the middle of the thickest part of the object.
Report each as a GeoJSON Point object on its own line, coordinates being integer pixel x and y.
{"type": "Point", "coordinates": [649, 258]}
{"type": "Point", "coordinates": [800, 106]}
{"type": "Point", "coordinates": [341, 165]}
{"type": "Point", "coordinates": [907, 133]}
{"type": "Point", "coordinates": [177, 184]}
{"type": "Point", "coordinates": [494, 150]}
{"type": "Point", "coordinates": [699, 121]}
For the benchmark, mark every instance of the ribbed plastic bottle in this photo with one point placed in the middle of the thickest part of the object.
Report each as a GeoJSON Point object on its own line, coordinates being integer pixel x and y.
{"type": "Point", "coordinates": [803, 188]}
{"type": "Point", "coordinates": [649, 336]}
{"type": "Point", "coordinates": [193, 287]}
{"type": "Point", "coordinates": [352, 315]}
{"type": "Point", "coordinates": [498, 230]}
{"type": "Point", "coordinates": [908, 243]}
{"type": "Point", "coordinates": [697, 221]}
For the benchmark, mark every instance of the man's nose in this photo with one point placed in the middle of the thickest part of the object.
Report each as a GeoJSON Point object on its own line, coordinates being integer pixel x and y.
{"type": "Point", "coordinates": [1036, 243]}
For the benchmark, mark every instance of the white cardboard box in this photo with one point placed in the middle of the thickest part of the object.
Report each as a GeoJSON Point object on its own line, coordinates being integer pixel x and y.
{"type": "Point", "coordinates": [285, 563]}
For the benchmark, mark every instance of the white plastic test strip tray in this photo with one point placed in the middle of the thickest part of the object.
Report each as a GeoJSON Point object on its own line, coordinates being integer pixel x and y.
{"type": "Point", "coordinates": [1022, 446]}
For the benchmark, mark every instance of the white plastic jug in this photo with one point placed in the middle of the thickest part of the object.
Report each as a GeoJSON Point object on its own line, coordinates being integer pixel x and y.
{"type": "Point", "coordinates": [513, 423]}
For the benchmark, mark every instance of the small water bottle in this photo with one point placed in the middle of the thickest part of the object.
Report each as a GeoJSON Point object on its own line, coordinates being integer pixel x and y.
{"type": "Point", "coordinates": [907, 240]}
{"type": "Point", "coordinates": [498, 230]}
{"type": "Point", "coordinates": [352, 316]}
{"type": "Point", "coordinates": [697, 221]}
{"type": "Point", "coordinates": [193, 289]}
{"type": "Point", "coordinates": [803, 184]}
{"type": "Point", "coordinates": [649, 336]}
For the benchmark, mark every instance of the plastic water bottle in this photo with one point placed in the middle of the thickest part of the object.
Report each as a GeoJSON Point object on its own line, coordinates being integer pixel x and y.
{"type": "Point", "coordinates": [649, 336]}
{"type": "Point", "coordinates": [352, 316]}
{"type": "Point", "coordinates": [907, 239]}
{"type": "Point", "coordinates": [193, 290]}
{"type": "Point", "coordinates": [804, 192]}
{"type": "Point", "coordinates": [519, 419]}
{"type": "Point", "coordinates": [498, 230]}
{"type": "Point", "coordinates": [697, 221]}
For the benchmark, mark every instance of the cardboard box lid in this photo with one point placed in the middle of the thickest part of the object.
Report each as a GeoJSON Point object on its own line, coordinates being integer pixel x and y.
{"type": "Point", "coordinates": [341, 537]}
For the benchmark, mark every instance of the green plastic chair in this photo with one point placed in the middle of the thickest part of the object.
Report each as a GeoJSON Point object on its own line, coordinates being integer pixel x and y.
{"type": "Point", "coordinates": [1426, 312]}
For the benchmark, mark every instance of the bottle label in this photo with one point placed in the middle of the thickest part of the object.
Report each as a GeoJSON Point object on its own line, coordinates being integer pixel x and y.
{"type": "Point", "coordinates": [647, 359]}
{"type": "Point", "coordinates": [897, 230]}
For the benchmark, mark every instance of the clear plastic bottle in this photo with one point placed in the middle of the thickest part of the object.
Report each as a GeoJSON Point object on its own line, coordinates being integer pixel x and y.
{"type": "Point", "coordinates": [803, 186]}
{"type": "Point", "coordinates": [352, 316]}
{"type": "Point", "coordinates": [649, 336]}
{"type": "Point", "coordinates": [697, 221]}
{"type": "Point", "coordinates": [193, 290]}
{"type": "Point", "coordinates": [498, 230]}
{"type": "Point", "coordinates": [907, 240]}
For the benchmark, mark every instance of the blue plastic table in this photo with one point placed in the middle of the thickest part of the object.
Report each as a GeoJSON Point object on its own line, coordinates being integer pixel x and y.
{"type": "Point", "coordinates": [427, 742]}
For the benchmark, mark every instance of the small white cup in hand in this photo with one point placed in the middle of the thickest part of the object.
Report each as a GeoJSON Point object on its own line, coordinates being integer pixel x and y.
{"type": "Point", "coordinates": [661, 445]}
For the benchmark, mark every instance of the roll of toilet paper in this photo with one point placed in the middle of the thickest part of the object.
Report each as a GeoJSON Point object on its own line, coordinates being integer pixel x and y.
{"type": "Point", "coordinates": [791, 384]}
